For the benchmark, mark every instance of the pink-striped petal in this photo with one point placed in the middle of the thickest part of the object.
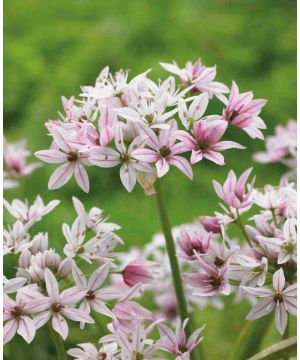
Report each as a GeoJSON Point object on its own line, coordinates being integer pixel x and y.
{"type": "Point", "coordinates": [51, 156]}
{"type": "Point", "coordinates": [61, 176]}
{"type": "Point", "coordinates": [81, 177]}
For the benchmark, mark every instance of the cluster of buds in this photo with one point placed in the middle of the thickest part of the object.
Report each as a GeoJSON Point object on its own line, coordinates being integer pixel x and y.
{"type": "Point", "coordinates": [50, 287]}
{"type": "Point", "coordinates": [281, 147]}
{"type": "Point", "coordinates": [145, 127]}
{"type": "Point", "coordinates": [15, 161]}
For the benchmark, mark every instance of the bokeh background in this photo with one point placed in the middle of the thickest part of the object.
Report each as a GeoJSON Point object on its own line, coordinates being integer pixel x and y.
{"type": "Point", "coordinates": [53, 47]}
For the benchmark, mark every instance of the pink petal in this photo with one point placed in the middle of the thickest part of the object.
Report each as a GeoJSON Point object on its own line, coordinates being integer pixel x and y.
{"type": "Point", "coordinates": [278, 280]}
{"type": "Point", "coordinates": [60, 325]}
{"type": "Point", "coordinates": [196, 156]}
{"type": "Point", "coordinates": [162, 167]}
{"type": "Point", "coordinates": [9, 330]}
{"type": "Point", "coordinates": [77, 315]}
{"type": "Point", "coordinates": [214, 156]}
{"type": "Point", "coordinates": [224, 145]}
{"type": "Point", "coordinates": [72, 295]}
{"type": "Point", "coordinates": [187, 139]}
{"type": "Point", "coordinates": [51, 156]}
{"type": "Point", "coordinates": [105, 157]}
{"type": "Point", "coordinates": [101, 308]}
{"type": "Point", "coordinates": [242, 120]}
{"type": "Point", "coordinates": [98, 277]}
{"type": "Point", "coordinates": [263, 308]}
{"type": "Point", "coordinates": [51, 284]}
{"type": "Point", "coordinates": [146, 155]}
{"type": "Point", "coordinates": [281, 317]}
{"type": "Point", "coordinates": [41, 319]}
{"type": "Point", "coordinates": [26, 329]}
{"type": "Point", "coordinates": [128, 176]}
{"type": "Point", "coordinates": [198, 106]}
{"type": "Point", "coordinates": [182, 164]}
{"type": "Point", "coordinates": [61, 176]}
{"type": "Point", "coordinates": [81, 177]}
{"type": "Point", "coordinates": [78, 276]}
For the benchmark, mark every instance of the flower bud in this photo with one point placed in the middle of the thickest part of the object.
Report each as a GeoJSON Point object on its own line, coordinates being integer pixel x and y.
{"type": "Point", "coordinates": [139, 271]}
{"type": "Point", "coordinates": [211, 223]}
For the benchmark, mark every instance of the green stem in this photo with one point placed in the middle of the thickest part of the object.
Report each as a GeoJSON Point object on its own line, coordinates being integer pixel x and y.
{"type": "Point", "coordinates": [170, 245]}
{"type": "Point", "coordinates": [242, 227]}
{"type": "Point", "coordinates": [59, 344]}
{"type": "Point", "coordinates": [274, 217]}
{"type": "Point", "coordinates": [277, 351]}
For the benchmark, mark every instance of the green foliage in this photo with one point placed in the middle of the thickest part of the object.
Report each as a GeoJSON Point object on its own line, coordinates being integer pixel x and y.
{"type": "Point", "coordinates": [53, 47]}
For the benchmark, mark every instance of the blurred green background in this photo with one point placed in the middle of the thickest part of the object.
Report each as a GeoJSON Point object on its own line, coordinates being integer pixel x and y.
{"type": "Point", "coordinates": [53, 47]}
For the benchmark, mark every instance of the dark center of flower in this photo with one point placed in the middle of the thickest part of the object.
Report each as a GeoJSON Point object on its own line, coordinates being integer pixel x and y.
{"type": "Point", "coordinates": [149, 118]}
{"type": "Point", "coordinates": [182, 349]}
{"type": "Point", "coordinates": [80, 250]}
{"type": "Point", "coordinates": [90, 295]}
{"type": "Point", "coordinates": [56, 307]}
{"type": "Point", "coordinates": [138, 356]}
{"type": "Point", "coordinates": [102, 356]}
{"type": "Point", "coordinates": [218, 261]}
{"type": "Point", "coordinates": [233, 114]}
{"type": "Point", "coordinates": [203, 144]}
{"type": "Point", "coordinates": [72, 156]}
{"type": "Point", "coordinates": [171, 313]}
{"type": "Point", "coordinates": [198, 248]}
{"type": "Point", "coordinates": [17, 311]}
{"type": "Point", "coordinates": [15, 169]}
{"type": "Point", "coordinates": [83, 118]}
{"type": "Point", "coordinates": [124, 157]}
{"type": "Point", "coordinates": [216, 281]}
{"type": "Point", "coordinates": [164, 151]}
{"type": "Point", "coordinates": [289, 246]}
{"type": "Point", "coordinates": [278, 297]}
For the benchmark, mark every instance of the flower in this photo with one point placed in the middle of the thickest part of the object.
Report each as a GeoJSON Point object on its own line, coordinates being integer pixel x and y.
{"type": "Point", "coordinates": [16, 238]}
{"type": "Point", "coordinates": [15, 156]}
{"type": "Point", "coordinates": [204, 141]}
{"type": "Point", "coordinates": [139, 271]}
{"type": "Point", "coordinates": [163, 151]}
{"type": "Point", "coordinates": [197, 108]}
{"type": "Point", "coordinates": [233, 191]}
{"type": "Point", "coordinates": [211, 223]}
{"type": "Point", "coordinates": [72, 158]}
{"type": "Point", "coordinates": [107, 157]}
{"type": "Point", "coordinates": [199, 75]}
{"type": "Point", "coordinates": [87, 351]}
{"type": "Point", "coordinates": [242, 111]}
{"type": "Point", "coordinates": [94, 296]}
{"type": "Point", "coordinates": [176, 342]}
{"type": "Point", "coordinates": [61, 306]}
{"type": "Point", "coordinates": [192, 240]}
{"type": "Point", "coordinates": [17, 314]}
{"type": "Point", "coordinates": [282, 299]}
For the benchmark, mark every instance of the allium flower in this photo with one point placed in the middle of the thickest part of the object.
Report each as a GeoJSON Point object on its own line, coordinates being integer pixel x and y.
{"type": "Point", "coordinates": [61, 306]}
{"type": "Point", "coordinates": [199, 75]}
{"type": "Point", "coordinates": [193, 240]}
{"type": "Point", "coordinates": [233, 192]}
{"type": "Point", "coordinates": [286, 243]}
{"type": "Point", "coordinates": [71, 155]}
{"type": "Point", "coordinates": [211, 223]}
{"type": "Point", "coordinates": [17, 314]}
{"type": "Point", "coordinates": [211, 281]}
{"type": "Point", "coordinates": [164, 151]}
{"type": "Point", "coordinates": [139, 271]}
{"type": "Point", "coordinates": [12, 285]}
{"type": "Point", "coordinates": [107, 157]}
{"type": "Point", "coordinates": [87, 351]}
{"type": "Point", "coordinates": [94, 296]}
{"type": "Point", "coordinates": [282, 299]}
{"type": "Point", "coordinates": [205, 140]}
{"type": "Point", "coordinates": [242, 111]}
{"type": "Point", "coordinates": [93, 219]}
{"type": "Point", "coordinates": [16, 238]}
{"type": "Point", "coordinates": [29, 213]}
{"type": "Point", "coordinates": [15, 157]}
{"type": "Point", "coordinates": [135, 345]}
{"type": "Point", "coordinates": [176, 342]}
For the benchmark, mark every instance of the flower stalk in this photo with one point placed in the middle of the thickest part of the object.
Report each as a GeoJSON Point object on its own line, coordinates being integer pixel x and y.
{"type": "Point", "coordinates": [59, 344]}
{"type": "Point", "coordinates": [176, 276]}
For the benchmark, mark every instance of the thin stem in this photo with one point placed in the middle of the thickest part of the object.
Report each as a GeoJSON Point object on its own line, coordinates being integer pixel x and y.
{"type": "Point", "coordinates": [170, 245]}
{"type": "Point", "coordinates": [59, 345]}
{"type": "Point", "coordinates": [242, 227]}
{"type": "Point", "coordinates": [274, 217]}
{"type": "Point", "coordinates": [284, 337]}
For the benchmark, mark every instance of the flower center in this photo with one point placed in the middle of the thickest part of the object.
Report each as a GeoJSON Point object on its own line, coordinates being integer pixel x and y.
{"type": "Point", "coordinates": [182, 349]}
{"type": "Point", "coordinates": [17, 311]}
{"type": "Point", "coordinates": [218, 261]}
{"type": "Point", "coordinates": [90, 295]}
{"type": "Point", "coordinates": [203, 144]}
{"type": "Point", "coordinates": [278, 297]}
{"type": "Point", "coordinates": [102, 356]}
{"type": "Point", "coordinates": [149, 118]}
{"type": "Point", "coordinates": [138, 356]}
{"type": "Point", "coordinates": [164, 151]}
{"type": "Point", "coordinates": [80, 250]}
{"type": "Point", "coordinates": [216, 281]}
{"type": "Point", "coordinates": [124, 157]}
{"type": "Point", "coordinates": [233, 114]}
{"type": "Point", "coordinates": [56, 307]}
{"type": "Point", "coordinates": [198, 248]}
{"type": "Point", "coordinates": [289, 246]}
{"type": "Point", "coordinates": [72, 156]}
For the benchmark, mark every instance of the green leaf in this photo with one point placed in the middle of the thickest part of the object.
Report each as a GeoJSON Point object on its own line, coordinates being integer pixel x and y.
{"type": "Point", "coordinates": [278, 351]}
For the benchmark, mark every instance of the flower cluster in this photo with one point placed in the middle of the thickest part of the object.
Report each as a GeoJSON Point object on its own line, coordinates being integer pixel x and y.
{"type": "Point", "coordinates": [281, 147]}
{"type": "Point", "coordinates": [15, 160]}
{"type": "Point", "coordinates": [145, 127]}
{"type": "Point", "coordinates": [49, 287]}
